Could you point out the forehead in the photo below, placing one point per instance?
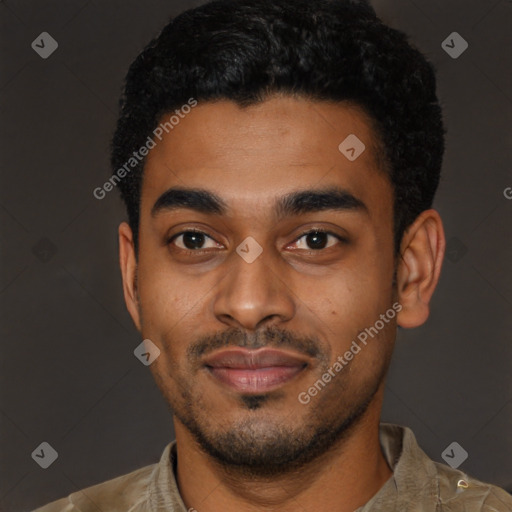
(250, 155)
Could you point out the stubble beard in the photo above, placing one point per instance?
(257, 447)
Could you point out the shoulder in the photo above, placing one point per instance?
(457, 488)
(117, 494)
(423, 484)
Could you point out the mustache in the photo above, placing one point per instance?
(271, 337)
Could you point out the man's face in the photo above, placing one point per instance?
(214, 311)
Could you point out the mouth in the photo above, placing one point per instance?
(254, 371)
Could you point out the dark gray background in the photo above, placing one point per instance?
(68, 373)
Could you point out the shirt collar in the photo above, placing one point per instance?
(414, 480)
(163, 490)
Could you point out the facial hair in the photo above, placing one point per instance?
(259, 445)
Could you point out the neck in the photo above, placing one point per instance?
(341, 480)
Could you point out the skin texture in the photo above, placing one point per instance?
(272, 452)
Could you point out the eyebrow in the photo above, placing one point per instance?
(294, 203)
(199, 200)
(308, 201)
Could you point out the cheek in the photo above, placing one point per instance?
(166, 318)
(346, 291)
(163, 302)
(349, 300)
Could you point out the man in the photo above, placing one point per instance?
(279, 160)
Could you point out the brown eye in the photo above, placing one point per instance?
(193, 241)
(316, 240)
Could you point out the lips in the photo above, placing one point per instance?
(254, 371)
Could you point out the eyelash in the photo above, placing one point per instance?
(305, 233)
(190, 251)
(308, 251)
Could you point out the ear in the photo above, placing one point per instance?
(128, 263)
(421, 257)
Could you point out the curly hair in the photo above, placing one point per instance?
(327, 50)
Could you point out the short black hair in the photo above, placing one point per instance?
(328, 50)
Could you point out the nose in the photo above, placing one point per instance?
(253, 295)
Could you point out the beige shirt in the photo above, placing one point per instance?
(417, 485)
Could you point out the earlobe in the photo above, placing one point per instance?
(128, 264)
(419, 268)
